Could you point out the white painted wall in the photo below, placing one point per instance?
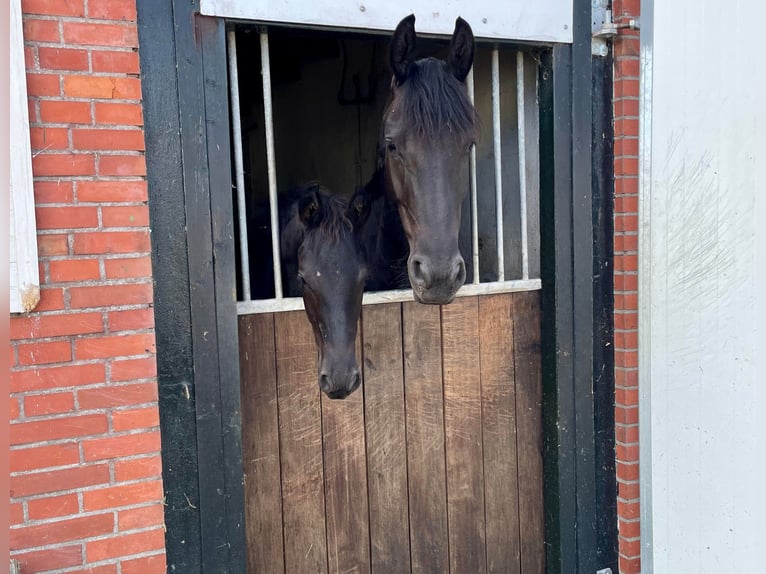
(538, 21)
(702, 232)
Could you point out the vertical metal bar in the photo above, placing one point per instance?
(239, 166)
(271, 162)
(498, 161)
(521, 131)
(474, 196)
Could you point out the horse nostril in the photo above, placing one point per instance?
(325, 384)
(458, 272)
(421, 272)
(355, 382)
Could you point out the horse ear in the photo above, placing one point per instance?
(460, 56)
(309, 209)
(403, 48)
(358, 209)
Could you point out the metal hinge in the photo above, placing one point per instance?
(603, 27)
(604, 571)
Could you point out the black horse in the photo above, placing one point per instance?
(428, 129)
(324, 263)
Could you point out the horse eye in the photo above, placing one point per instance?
(391, 147)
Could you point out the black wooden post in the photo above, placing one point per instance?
(579, 451)
(183, 67)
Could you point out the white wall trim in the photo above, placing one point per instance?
(24, 270)
(644, 284)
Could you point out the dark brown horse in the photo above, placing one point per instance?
(428, 129)
(323, 262)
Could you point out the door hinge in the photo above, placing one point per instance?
(603, 27)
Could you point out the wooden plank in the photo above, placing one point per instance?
(499, 432)
(300, 437)
(260, 444)
(425, 438)
(345, 482)
(462, 423)
(527, 362)
(386, 438)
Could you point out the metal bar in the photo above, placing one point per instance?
(474, 195)
(239, 165)
(498, 161)
(521, 131)
(467, 290)
(271, 162)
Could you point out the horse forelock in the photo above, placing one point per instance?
(433, 101)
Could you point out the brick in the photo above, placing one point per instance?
(630, 548)
(100, 242)
(627, 301)
(68, 270)
(629, 529)
(16, 513)
(136, 419)
(131, 320)
(120, 114)
(626, 397)
(14, 410)
(49, 558)
(125, 165)
(56, 377)
(41, 353)
(626, 223)
(93, 34)
(627, 8)
(111, 191)
(122, 495)
(63, 165)
(625, 45)
(48, 245)
(110, 295)
(39, 457)
(89, 87)
(37, 326)
(125, 216)
(51, 299)
(112, 10)
(105, 139)
(626, 415)
(102, 569)
(128, 268)
(138, 468)
(65, 112)
(627, 107)
(626, 434)
(630, 565)
(65, 218)
(116, 447)
(625, 320)
(626, 184)
(53, 191)
(29, 62)
(125, 545)
(626, 204)
(146, 565)
(118, 345)
(627, 67)
(628, 490)
(144, 517)
(53, 7)
(626, 165)
(115, 62)
(62, 530)
(43, 85)
(133, 369)
(626, 453)
(62, 59)
(53, 506)
(117, 396)
(49, 404)
(46, 138)
(60, 428)
(625, 126)
(51, 481)
(36, 30)
(32, 110)
(627, 471)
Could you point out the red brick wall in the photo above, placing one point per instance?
(626, 72)
(85, 467)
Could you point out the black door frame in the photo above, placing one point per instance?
(186, 116)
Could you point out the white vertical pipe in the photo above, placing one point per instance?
(239, 166)
(498, 161)
(522, 162)
(271, 162)
(474, 197)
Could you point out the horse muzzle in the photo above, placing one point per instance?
(435, 284)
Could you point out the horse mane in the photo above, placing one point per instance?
(333, 222)
(433, 100)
